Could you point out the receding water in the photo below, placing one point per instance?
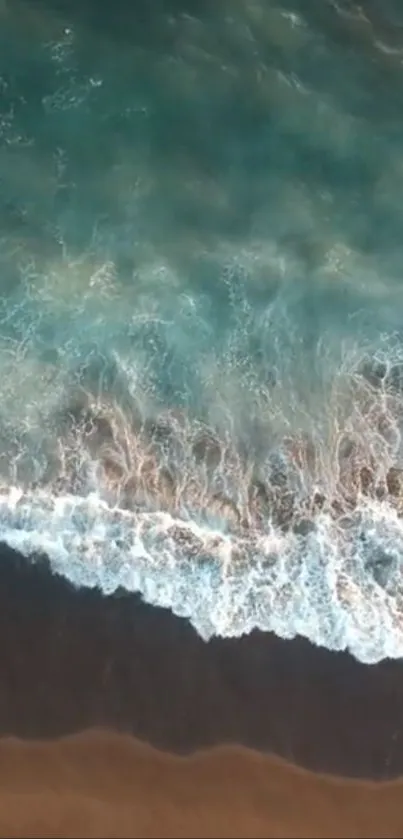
(201, 314)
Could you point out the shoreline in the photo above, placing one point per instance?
(73, 659)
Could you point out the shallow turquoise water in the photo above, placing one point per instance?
(200, 240)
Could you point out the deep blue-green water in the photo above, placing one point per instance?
(201, 313)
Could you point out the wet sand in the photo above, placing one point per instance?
(103, 785)
(72, 659)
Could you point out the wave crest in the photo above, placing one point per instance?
(307, 539)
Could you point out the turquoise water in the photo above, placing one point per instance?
(201, 309)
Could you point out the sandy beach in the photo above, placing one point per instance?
(214, 739)
(73, 659)
(99, 784)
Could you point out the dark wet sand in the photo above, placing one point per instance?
(103, 785)
(72, 660)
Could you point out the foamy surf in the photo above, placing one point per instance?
(201, 363)
(284, 517)
(339, 588)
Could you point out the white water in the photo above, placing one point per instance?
(206, 228)
(320, 586)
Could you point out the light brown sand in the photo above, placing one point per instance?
(100, 784)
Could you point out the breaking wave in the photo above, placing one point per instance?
(292, 529)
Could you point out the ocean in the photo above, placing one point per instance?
(201, 334)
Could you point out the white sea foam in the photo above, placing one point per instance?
(340, 589)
